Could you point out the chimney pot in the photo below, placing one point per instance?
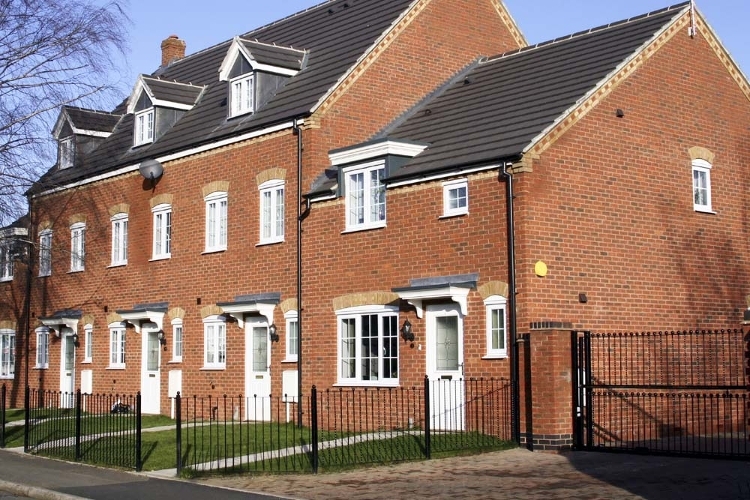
(172, 49)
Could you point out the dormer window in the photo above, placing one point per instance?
(144, 127)
(250, 66)
(66, 152)
(242, 95)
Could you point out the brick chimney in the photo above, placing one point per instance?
(172, 49)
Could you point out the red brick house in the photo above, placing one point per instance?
(623, 149)
(170, 283)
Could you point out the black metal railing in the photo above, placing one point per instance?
(342, 426)
(681, 393)
(100, 429)
(235, 433)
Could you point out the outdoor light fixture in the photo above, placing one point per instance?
(75, 338)
(272, 333)
(406, 332)
(162, 338)
(151, 170)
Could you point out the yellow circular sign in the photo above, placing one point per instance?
(540, 268)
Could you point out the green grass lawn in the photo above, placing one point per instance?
(208, 442)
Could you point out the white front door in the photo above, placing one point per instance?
(150, 373)
(67, 369)
(257, 370)
(445, 364)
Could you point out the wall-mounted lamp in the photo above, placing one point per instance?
(75, 339)
(272, 333)
(162, 337)
(406, 332)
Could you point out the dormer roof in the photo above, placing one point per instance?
(87, 122)
(165, 93)
(271, 58)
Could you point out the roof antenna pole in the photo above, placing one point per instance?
(693, 30)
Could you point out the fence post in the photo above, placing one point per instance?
(26, 419)
(427, 417)
(138, 462)
(314, 427)
(78, 425)
(178, 427)
(2, 417)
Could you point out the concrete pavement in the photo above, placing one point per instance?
(514, 474)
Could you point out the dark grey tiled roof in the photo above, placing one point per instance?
(180, 93)
(335, 34)
(88, 119)
(495, 110)
(281, 57)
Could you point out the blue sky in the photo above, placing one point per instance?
(205, 23)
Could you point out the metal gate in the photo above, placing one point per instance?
(682, 393)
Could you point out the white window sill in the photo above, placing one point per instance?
(41, 367)
(73, 271)
(289, 360)
(7, 377)
(240, 113)
(704, 210)
(174, 361)
(144, 143)
(115, 368)
(361, 383)
(5, 280)
(495, 356)
(44, 275)
(455, 214)
(270, 242)
(369, 227)
(118, 264)
(213, 250)
(86, 362)
(161, 257)
(213, 368)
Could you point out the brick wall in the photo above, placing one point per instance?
(609, 207)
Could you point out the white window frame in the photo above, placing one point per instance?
(67, 152)
(6, 260)
(242, 95)
(117, 346)
(272, 211)
(356, 314)
(291, 318)
(451, 187)
(492, 304)
(162, 234)
(88, 343)
(143, 128)
(77, 247)
(216, 221)
(42, 348)
(361, 212)
(7, 354)
(214, 343)
(702, 168)
(177, 340)
(45, 253)
(119, 239)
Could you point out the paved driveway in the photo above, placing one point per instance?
(519, 474)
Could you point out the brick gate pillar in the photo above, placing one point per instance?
(547, 390)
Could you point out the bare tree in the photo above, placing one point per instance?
(52, 52)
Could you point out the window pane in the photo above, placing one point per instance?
(348, 350)
(152, 359)
(390, 347)
(178, 342)
(447, 343)
(266, 207)
(498, 329)
(279, 212)
(377, 196)
(369, 347)
(260, 349)
(293, 337)
(356, 199)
